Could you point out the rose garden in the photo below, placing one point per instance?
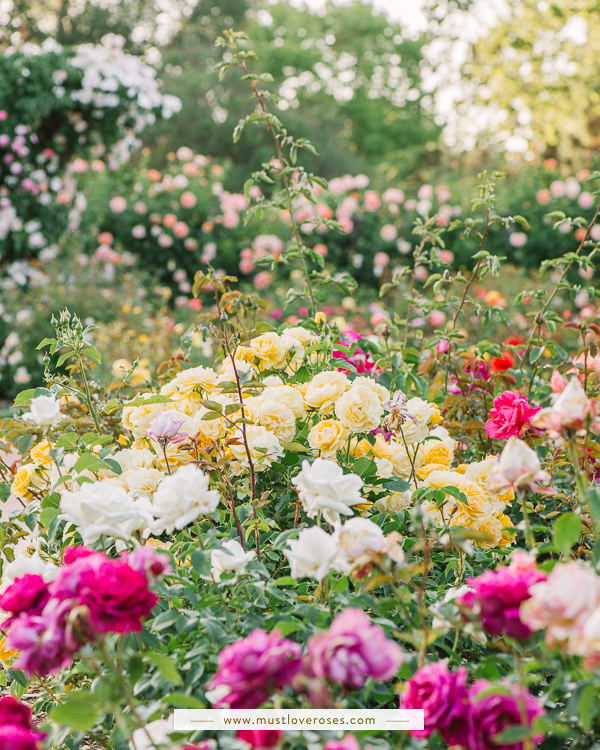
(291, 422)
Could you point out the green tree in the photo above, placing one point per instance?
(348, 79)
(536, 69)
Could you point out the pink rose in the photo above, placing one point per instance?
(253, 667)
(490, 715)
(353, 650)
(509, 416)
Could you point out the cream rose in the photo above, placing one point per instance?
(269, 350)
(324, 390)
(359, 409)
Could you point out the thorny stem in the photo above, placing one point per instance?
(243, 412)
(286, 180)
(475, 271)
(421, 600)
(580, 480)
(539, 318)
(115, 667)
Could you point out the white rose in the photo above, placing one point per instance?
(358, 536)
(518, 466)
(314, 554)
(181, 498)
(324, 488)
(231, 559)
(24, 565)
(43, 411)
(105, 509)
(155, 734)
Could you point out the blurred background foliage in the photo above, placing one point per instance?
(362, 87)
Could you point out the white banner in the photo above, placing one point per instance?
(321, 719)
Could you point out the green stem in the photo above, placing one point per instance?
(88, 395)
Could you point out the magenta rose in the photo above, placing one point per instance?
(510, 414)
(28, 594)
(443, 695)
(251, 669)
(497, 596)
(260, 739)
(45, 642)
(352, 650)
(19, 738)
(493, 713)
(117, 596)
(14, 713)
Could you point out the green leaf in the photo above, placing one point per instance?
(48, 515)
(79, 711)
(567, 531)
(594, 503)
(181, 700)
(512, 735)
(165, 666)
(67, 440)
(24, 398)
(156, 399)
(587, 705)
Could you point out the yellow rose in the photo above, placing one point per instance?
(436, 417)
(482, 472)
(359, 409)
(278, 418)
(141, 481)
(360, 448)
(288, 395)
(302, 335)
(6, 654)
(137, 419)
(436, 452)
(175, 456)
(395, 453)
(269, 350)
(22, 480)
(324, 390)
(424, 471)
(187, 381)
(40, 453)
(492, 528)
(327, 437)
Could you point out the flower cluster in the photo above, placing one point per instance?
(90, 596)
(567, 606)
(350, 652)
(471, 717)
